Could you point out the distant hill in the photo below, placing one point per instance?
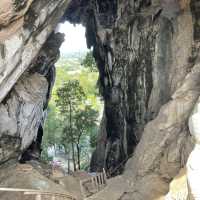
(79, 54)
(71, 61)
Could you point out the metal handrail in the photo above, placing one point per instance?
(38, 193)
(98, 182)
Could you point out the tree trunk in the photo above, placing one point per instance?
(78, 156)
(71, 133)
(67, 152)
(68, 164)
(73, 157)
(54, 147)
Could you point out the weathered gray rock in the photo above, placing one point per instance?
(148, 57)
(27, 59)
(99, 155)
(144, 50)
(193, 164)
(147, 53)
(26, 27)
(22, 113)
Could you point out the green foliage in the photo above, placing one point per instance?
(52, 130)
(45, 156)
(74, 109)
(71, 61)
(79, 117)
(70, 99)
(70, 96)
(93, 137)
(86, 118)
(89, 62)
(85, 122)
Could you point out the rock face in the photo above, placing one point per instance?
(149, 66)
(147, 53)
(28, 53)
(21, 114)
(148, 57)
(23, 109)
(193, 166)
(144, 51)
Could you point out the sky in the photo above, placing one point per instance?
(75, 40)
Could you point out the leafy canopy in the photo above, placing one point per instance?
(89, 62)
(70, 96)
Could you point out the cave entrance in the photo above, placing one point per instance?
(75, 108)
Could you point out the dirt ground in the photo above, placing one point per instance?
(27, 177)
(37, 176)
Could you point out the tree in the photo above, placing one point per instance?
(58, 132)
(89, 62)
(70, 97)
(93, 137)
(85, 121)
(53, 131)
(79, 117)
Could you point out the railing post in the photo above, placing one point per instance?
(97, 182)
(93, 183)
(37, 194)
(105, 176)
(82, 189)
(102, 179)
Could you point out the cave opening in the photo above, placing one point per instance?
(75, 107)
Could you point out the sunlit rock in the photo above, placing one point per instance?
(193, 163)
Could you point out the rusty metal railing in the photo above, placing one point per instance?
(39, 195)
(94, 184)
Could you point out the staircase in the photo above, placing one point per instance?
(94, 184)
(27, 194)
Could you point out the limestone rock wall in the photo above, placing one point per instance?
(147, 53)
(21, 114)
(148, 57)
(28, 51)
(144, 50)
